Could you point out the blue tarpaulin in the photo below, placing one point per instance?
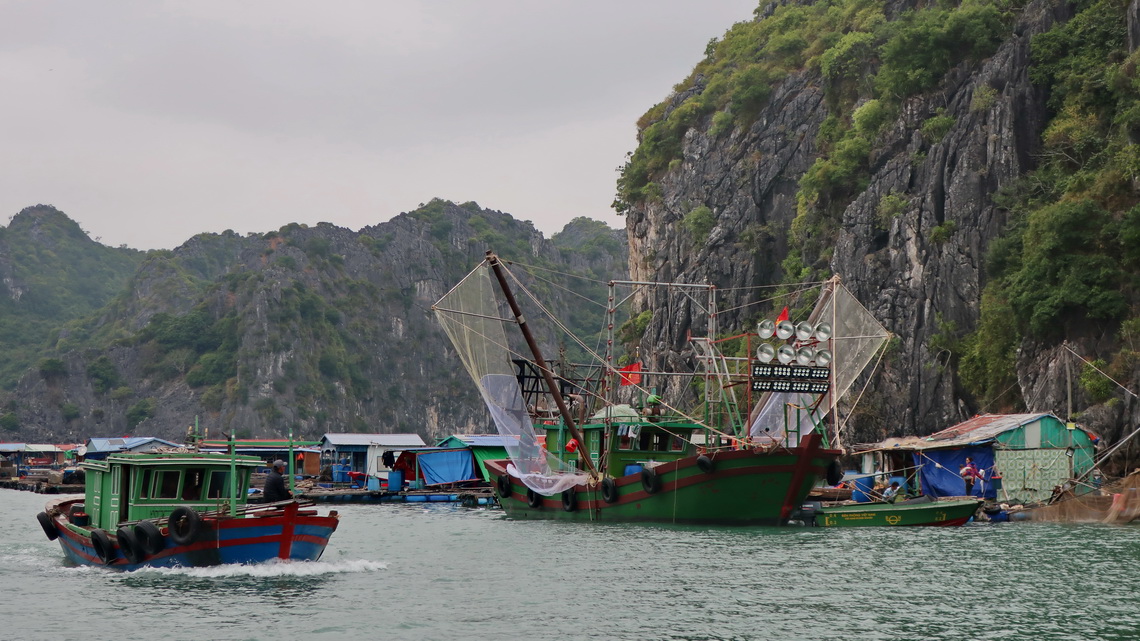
(939, 471)
(451, 466)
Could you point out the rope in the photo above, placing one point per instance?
(1099, 371)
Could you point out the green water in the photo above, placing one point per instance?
(406, 572)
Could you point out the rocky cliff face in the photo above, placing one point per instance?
(919, 272)
(308, 330)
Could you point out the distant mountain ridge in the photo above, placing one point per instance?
(305, 329)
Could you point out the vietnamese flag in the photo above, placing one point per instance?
(783, 315)
(631, 374)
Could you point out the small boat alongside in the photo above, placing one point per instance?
(182, 508)
(918, 511)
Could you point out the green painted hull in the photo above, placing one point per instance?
(946, 512)
(743, 488)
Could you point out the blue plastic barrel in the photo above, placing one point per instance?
(863, 487)
(395, 480)
(632, 469)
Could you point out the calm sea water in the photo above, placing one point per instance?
(412, 572)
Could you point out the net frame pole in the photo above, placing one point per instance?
(540, 363)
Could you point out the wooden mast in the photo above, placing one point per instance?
(583, 451)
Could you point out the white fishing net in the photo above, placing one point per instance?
(472, 320)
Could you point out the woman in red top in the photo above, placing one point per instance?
(969, 472)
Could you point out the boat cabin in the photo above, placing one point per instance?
(132, 487)
(633, 441)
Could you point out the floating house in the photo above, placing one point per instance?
(1022, 457)
(365, 452)
(97, 449)
(33, 454)
(432, 467)
(484, 447)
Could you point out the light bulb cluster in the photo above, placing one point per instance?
(803, 363)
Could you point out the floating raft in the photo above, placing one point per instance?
(470, 498)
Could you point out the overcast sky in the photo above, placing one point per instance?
(148, 122)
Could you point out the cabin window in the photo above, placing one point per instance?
(192, 488)
(219, 485)
(660, 442)
(167, 483)
(624, 440)
(144, 485)
(646, 441)
(677, 444)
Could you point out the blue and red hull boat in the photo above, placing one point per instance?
(284, 532)
(180, 508)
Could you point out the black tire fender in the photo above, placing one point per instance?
(184, 525)
(533, 499)
(48, 525)
(650, 480)
(503, 484)
(834, 473)
(609, 490)
(570, 500)
(149, 537)
(104, 549)
(706, 464)
(129, 545)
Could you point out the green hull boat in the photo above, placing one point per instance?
(735, 438)
(939, 512)
(742, 487)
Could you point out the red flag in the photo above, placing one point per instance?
(634, 377)
(783, 315)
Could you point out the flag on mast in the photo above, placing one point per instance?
(631, 374)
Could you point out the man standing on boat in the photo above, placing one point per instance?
(275, 484)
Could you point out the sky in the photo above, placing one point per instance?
(149, 122)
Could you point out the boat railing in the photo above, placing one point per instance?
(245, 510)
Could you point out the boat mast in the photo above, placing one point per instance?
(583, 451)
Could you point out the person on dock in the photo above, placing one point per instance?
(969, 474)
(275, 484)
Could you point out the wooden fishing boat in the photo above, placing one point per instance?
(949, 511)
(185, 508)
(647, 459)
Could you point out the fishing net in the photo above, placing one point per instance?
(1117, 502)
(472, 320)
(856, 338)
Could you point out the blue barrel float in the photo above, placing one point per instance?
(863, 487)
(395, 480)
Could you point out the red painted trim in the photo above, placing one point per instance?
(287, 531)
(808, 448)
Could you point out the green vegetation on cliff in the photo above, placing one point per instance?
(860, 55)
(53, 273)
(1069, 262)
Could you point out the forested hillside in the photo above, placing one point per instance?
(302, 330)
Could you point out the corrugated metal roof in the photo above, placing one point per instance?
(12, 447)
(120, 444)
(40, 447)
(480, 440)
(391, 440)
(980, 429)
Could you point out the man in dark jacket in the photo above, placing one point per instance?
(275, 484)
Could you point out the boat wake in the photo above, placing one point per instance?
(269, 569)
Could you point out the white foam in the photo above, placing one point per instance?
(273, 568)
